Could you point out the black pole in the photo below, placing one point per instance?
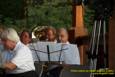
(48, 53)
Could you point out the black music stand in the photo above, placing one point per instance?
(48, 67)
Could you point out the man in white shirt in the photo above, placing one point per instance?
(26, 37)
(20, 63)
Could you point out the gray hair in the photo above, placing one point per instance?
(10, 34)
(63, 30)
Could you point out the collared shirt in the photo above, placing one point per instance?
(22, 58)
(5, 55)
(66, 42)
(71, 55)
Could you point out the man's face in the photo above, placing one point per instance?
(63, 37)
(50, 35)
(25, 38)
(7, 44)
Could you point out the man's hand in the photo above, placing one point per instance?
(9, 66)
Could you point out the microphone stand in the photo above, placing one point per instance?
(99, 26)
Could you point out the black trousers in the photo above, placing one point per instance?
(25, 74)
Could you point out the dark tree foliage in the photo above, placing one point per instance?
(57, 13)
(21, 14)
(12, 8)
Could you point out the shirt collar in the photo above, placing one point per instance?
(55, 41)
(67, 42)
(17, 45)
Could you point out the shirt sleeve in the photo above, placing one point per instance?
(71, 55)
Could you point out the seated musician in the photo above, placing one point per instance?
(51, 35)
(63, 36)
(20, 63)
(26, 37)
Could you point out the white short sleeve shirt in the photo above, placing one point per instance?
(22, 59)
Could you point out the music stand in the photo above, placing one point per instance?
(49, 66)
(48, 49)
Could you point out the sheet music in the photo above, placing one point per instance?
(69, 52)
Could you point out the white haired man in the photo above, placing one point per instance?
(63, 36)
(20, 63)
